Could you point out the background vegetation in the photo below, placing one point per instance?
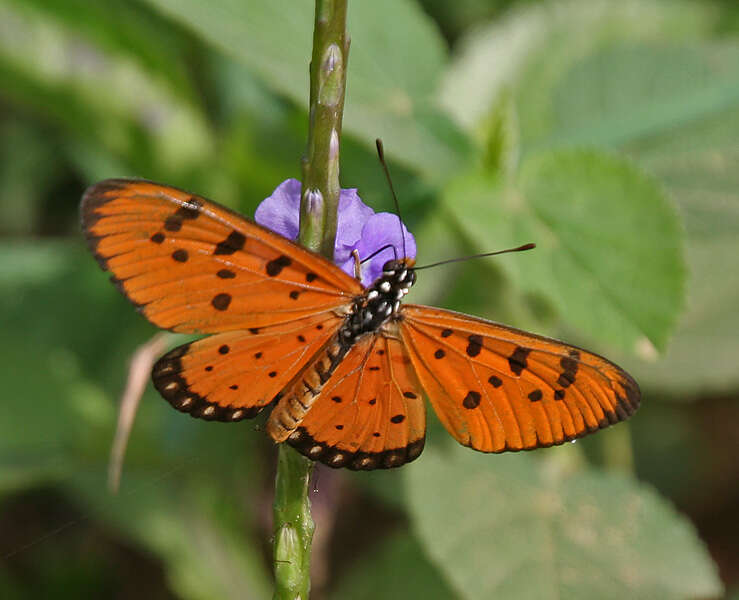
(607, 132)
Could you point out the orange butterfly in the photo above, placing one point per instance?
(346, 366)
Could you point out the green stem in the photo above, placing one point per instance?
(293, 525)
(320, 195)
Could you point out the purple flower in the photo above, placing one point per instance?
(358, 228)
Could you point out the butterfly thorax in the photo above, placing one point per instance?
(370, 311)
(381, 302)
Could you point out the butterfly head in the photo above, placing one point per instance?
(395, 265)
(381, 302)
(399, 275)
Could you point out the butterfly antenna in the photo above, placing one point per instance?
(461, 258)
(381, 156)
(376, 252)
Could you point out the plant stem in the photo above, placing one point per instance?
(293, 525)
(320, 195)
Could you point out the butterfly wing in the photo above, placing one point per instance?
(496, 388)
(370, 414)
(192, 266)
(233, 375)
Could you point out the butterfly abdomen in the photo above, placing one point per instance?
(379, 304)
(299, 396)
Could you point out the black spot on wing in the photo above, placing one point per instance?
(226, 274)
(233, 243)
(535, 396)
(471, 400)
(517, 360)
(169, 380)
(221, 301)
(173, 223)
(189, 210)
(275, 266)
(180, 255)
(569, 366)
(474, 346)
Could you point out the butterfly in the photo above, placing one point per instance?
(345, 367)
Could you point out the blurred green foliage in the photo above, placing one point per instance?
(608, 133)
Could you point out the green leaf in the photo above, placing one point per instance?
(393, 71)
(98, 95)
(397, 568)
(125, 28)
(185, 484)
(648, 79)
(29, 163)
(608, 250)
(652, 89)
(701, 358)
(696, 158)
(193, 522)
(677, 113)
(514, 527)
(531, 49)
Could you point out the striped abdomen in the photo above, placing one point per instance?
(299, 396)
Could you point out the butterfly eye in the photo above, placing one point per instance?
(391, 266)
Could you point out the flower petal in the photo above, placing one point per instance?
(358, 228)
(380, 230)
(281, 211)
(353, 214)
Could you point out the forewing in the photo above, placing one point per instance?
(496, 388)
(370, 414)
(233, 375)
(193, 266)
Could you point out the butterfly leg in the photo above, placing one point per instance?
(357, 265)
